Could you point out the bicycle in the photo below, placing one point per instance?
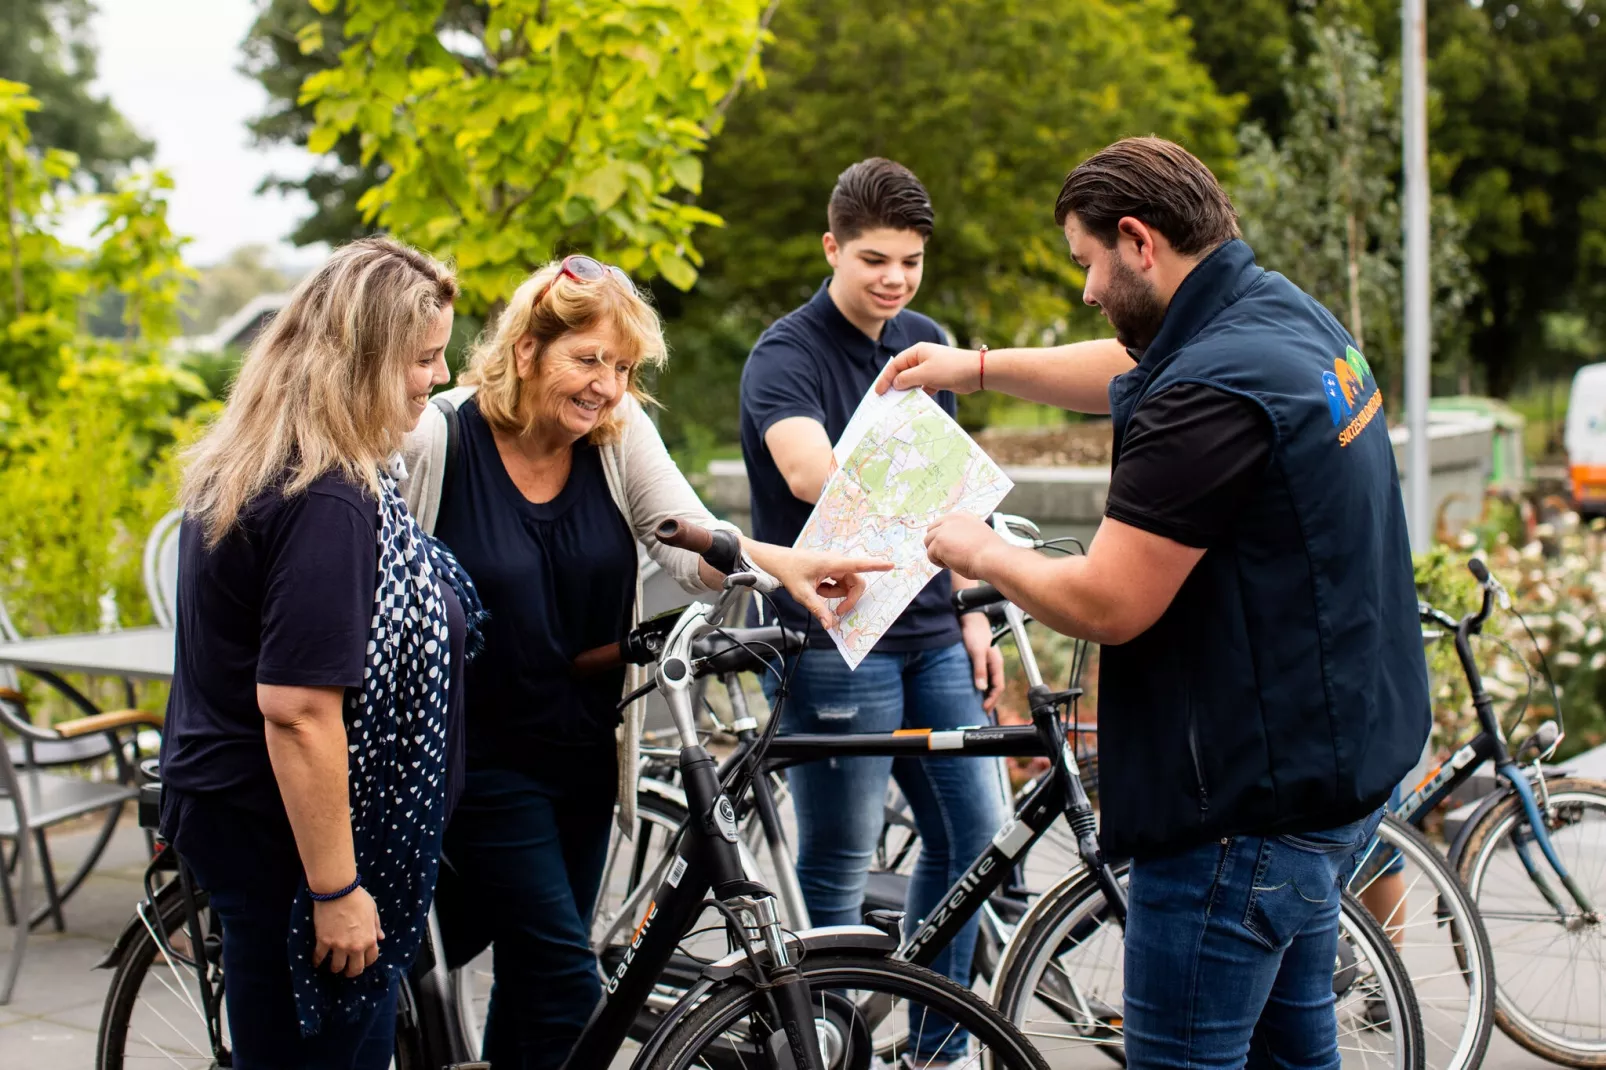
(1369, 974)
(780, 999)
(1440, 939)
(1493, 855)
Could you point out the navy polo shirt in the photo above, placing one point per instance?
(813, 362)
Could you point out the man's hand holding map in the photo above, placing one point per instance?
(900, 464)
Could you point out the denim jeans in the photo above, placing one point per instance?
(1230, 949)
(958, 803)
(249, 866)
(526, 854)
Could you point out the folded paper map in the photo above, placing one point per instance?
(901, 463)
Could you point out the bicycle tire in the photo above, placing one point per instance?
(123, 997)
(1500, 900)
(1092, 1012)
(1457, 1011)
(695, 1041)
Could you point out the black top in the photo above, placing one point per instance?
(812, 362)
(556, 579)
(285, 598)
(1190, 459)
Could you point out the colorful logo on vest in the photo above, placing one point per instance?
(1352, 395)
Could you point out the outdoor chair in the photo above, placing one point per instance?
(161, 568)
(43, 783)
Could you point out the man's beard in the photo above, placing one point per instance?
(1131, 306)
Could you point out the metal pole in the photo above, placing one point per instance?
(1418, 337)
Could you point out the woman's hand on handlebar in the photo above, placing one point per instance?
(811, 577)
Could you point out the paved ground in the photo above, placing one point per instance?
(52, 1019)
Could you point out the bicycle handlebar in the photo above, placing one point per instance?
(977, 597)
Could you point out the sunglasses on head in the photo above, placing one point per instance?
(583, 268)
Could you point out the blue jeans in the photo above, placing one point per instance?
(958, 803)
(1230, 949)
(526, 854)
(248, 864)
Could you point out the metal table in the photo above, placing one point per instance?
(137, 654)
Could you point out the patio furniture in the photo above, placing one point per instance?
(34, 796)
(161, 567)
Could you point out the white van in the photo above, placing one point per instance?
(1585, 439)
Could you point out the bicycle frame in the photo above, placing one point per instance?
(1489, 745)
(706, 857)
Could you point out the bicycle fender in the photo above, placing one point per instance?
(837, 939)
(135, 926)
(1464, 833)
(1071, 886)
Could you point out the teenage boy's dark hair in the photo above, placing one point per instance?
(878, 193)
(1154, 180)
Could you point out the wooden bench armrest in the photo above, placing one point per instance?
(106, 722)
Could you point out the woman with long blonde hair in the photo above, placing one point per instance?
(552, 479)
(315, 719)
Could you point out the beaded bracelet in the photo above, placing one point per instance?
(347, 890)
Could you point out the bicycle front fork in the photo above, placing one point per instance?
(1540, 831)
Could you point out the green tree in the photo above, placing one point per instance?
(1321, 205)
(86, 423)
(46, 45)
(1516, 135)
(990, 103)
(566, 123)
(1520, 138)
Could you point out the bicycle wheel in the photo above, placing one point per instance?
(1550, 995)
(859, 998)
(153, 1012)
(1443, 945)
(1062, 984)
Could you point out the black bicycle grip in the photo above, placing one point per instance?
(977, 597)
(1479, 570)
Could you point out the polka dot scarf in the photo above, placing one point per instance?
(396, 735)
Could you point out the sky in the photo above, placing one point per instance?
(169, 66)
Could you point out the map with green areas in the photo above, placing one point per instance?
(902, 462)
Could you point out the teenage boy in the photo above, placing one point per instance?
(803, 380)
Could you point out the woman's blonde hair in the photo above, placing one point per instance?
(567, 305)
(323, 386)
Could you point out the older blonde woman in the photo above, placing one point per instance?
(320, 647)
(556, 475)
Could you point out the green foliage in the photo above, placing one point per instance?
(990, 103)
(564, 124)
(1557, 588)
(86, 423)
(46, 45)
(1321, 205)
(1519, 139)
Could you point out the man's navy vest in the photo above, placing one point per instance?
(1285, 688)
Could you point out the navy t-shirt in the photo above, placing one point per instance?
(285, 598)
(812, 362)
(556, 578)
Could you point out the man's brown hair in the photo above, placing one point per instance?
(877, 193)
(1156, 181)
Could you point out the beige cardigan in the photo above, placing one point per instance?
(647, 488)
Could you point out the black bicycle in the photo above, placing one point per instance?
(1060, 974)
(820, 999)
(1532, 857)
